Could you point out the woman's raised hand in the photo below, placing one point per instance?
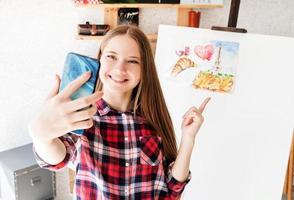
(60, 115)
(192, 121)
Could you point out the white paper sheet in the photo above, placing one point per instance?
(242, 149)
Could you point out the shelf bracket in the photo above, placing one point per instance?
(110, 17)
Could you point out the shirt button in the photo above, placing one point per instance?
(123, 115)
(127, 164)
(126, 138)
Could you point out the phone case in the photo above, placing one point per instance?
(76, 65)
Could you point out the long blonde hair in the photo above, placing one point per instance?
(147, 98)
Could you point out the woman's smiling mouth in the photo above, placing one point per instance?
(118, 80)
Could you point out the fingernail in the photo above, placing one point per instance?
(88, 73)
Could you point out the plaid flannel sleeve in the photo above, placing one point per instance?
(69, 140)
(175, 187)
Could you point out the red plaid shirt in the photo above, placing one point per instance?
(120, 157)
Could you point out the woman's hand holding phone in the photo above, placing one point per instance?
(60, 115)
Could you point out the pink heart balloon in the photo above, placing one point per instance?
(204, 52)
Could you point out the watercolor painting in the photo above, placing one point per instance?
(212, 65)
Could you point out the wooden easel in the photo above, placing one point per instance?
(288, 184)
(233, 18)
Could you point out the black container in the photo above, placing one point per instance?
(128, 16)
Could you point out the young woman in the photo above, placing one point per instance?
(128, 150)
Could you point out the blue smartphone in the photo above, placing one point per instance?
(76, 65)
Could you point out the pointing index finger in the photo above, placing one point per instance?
(203, 105)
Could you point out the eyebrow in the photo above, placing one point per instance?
(111, 52)
(117, 53)
(135, 57)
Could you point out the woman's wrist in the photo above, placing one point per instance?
(180, 169)
(41, 141)
(34, 132)
(44, 143)
(187, 141)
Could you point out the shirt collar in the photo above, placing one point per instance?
(103, 108)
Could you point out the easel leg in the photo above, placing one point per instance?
(285, 192)
(290, 173)
(289, 184)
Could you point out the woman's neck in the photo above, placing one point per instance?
(119, 102)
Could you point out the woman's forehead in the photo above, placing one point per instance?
(123, 45)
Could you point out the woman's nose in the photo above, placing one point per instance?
(120, 65)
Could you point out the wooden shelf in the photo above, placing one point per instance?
(150, 5)
(111, 15)
(152, 37)
(111, 10)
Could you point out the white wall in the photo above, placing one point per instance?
(36, 35)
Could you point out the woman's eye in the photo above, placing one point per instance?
(112, 57)
(133, 62)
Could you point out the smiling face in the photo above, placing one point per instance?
(120, 65)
